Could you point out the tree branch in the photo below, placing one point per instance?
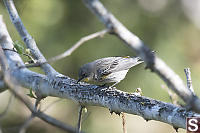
(172, 96)
(153, 62)
(9, 61)
(87, 94)
(80, 117)
(189, 79)
(26, 124)
(78, 44)
(15, 89)
(116, 100)
(72, 49)
(27, 38)
(124, 122)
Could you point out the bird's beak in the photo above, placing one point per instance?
(80, 79)
(84, 79)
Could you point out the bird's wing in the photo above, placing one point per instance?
(109, 65)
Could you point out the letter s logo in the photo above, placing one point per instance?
(192, 125)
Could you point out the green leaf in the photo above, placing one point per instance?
(18, 47)
(31, 94)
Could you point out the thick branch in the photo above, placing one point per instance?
(16, 90)
(115, 100)
(65, 87)
(9, 64)
(86, 94)
(27, 38)
(153, 62)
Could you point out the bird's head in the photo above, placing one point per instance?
(85, 73)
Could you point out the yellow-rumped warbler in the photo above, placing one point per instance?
(108, 70)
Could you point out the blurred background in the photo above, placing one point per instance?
(171, 28)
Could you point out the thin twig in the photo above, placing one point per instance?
(25, 125)
(30, 118)
(80, 117)
(29, 56)
(37, 102)
(189, 79)
(172, 96)
(78, 44)
(124, 122)
(72, 49)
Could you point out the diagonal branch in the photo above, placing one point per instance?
(27, 38)
(9, 61)
(153, 62)
(78, 44)
(17, 91)
(25, 125)
(86, 94)
(72, 49)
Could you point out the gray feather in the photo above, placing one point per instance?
(109, 65)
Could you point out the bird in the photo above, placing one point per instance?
(107, 70)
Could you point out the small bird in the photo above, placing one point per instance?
(107, 70)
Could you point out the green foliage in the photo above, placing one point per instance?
(25, 53)
(18, 47)
(31, 94)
